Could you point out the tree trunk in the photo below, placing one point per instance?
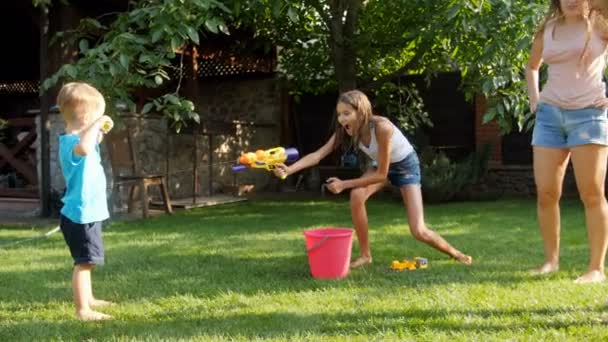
(344, 14)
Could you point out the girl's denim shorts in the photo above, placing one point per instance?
(564, 128)
(405, 172)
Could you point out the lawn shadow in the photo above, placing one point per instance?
(194, 322)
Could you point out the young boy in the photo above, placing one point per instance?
(84, 202)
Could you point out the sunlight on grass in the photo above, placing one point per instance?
(240, 272)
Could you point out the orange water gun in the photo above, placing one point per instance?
(266, 159)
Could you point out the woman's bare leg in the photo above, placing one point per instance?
(589, 162)
(549, 169)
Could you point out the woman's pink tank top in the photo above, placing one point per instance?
(572, 83)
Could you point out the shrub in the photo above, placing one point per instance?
(444, 180)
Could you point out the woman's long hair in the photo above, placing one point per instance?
(360, 103)
(555, 13)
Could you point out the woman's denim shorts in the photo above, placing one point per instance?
(405, 172)
(563, 128)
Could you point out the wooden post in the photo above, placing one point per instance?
(210, 166)
(45, 169)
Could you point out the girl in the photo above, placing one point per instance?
(395, 157)
(570, 123)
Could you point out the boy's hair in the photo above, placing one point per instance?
(77, 99)
(359, 101)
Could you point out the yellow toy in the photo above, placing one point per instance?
(417, 263)
(106, 127)
(266, 159)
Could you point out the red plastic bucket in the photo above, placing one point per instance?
(329, 252)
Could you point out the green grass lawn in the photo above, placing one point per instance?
(239, 272)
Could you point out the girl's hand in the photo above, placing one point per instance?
(281, 170)
(335, 185)
(601, 103)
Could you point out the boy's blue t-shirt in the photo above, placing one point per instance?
(85, 197)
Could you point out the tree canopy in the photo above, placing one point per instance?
(322, 45)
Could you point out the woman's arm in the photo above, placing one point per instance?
(384, 132)
(308, 160)
(534, 62)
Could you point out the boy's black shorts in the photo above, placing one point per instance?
(84, 240)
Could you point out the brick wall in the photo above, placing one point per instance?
(488, 132)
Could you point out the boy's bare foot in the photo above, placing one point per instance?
(99, 303)
(90, 315)
(546, 268)
(464, 259)
(591, 277)
(360, 261)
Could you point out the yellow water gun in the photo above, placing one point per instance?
(417, 263)
(266, 159)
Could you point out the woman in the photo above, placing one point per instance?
(570, 124)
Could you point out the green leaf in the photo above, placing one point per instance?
(71, 71)
(453, 12)
(192, 34)
(175, 43)
(223, 28)
(112, 70)
(158, 80)
(189, 105)
(220, 5)
(292, 15)
(172, 99)
(156, 35)
(147, 108)
(489, 116)
(212, 25)
(83, 45)
(124, 61)
(487, 86)
(276, 8)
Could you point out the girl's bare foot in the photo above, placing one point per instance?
(546, 268)
(99, 303)
(591, 277)
(464, 259)
(90, 315)
(360, 261)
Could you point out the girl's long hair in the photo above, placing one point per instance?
(360, 103)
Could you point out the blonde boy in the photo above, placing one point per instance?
(84, 203)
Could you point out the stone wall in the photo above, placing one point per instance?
(252, 107)
(519, 180)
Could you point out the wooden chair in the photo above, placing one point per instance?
(126, 171)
